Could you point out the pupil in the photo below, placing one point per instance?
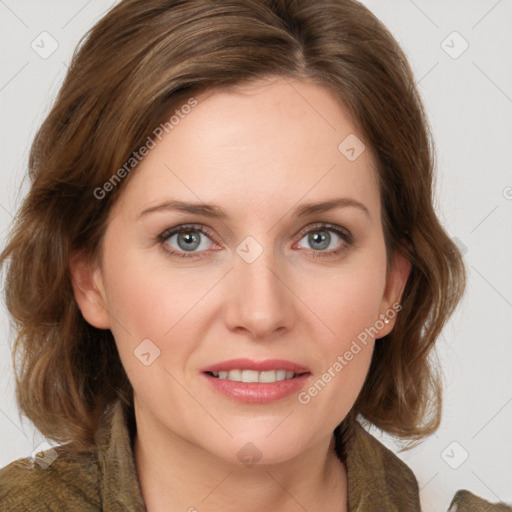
(322, 238)
(189, 238)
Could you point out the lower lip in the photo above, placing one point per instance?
(255, 392)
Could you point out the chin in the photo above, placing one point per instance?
(262, 447)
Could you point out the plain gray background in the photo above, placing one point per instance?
(468, 97)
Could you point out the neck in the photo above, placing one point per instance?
(176, 473)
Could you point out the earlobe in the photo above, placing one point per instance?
(88, 291)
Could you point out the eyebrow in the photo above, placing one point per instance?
(213, 211)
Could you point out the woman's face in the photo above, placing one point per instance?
(264, 281)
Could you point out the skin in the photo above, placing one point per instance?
(258, 152)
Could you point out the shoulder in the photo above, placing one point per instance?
(57, 479)
(382, 481)
(465, 501)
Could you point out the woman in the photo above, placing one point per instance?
(227, 258)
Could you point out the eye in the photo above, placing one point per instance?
(327, 239)
(189, 241)
(185, 241)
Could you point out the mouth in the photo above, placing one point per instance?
(264, 377)
(245, 380)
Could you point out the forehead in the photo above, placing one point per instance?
(263, 146)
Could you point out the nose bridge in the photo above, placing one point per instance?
(260, 301)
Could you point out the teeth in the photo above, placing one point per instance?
(280, 374)
(249, 376)
(268, 376)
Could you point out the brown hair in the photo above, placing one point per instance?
(134, 67)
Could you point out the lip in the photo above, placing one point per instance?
(257, 392)
(259, 366)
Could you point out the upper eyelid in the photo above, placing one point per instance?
(205, 230)
(329, 226)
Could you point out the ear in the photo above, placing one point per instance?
(89, 291)
(396, 280)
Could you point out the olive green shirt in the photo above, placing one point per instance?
(106, 480)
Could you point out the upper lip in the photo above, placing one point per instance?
(260, 366)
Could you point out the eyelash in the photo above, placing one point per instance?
(343, 233)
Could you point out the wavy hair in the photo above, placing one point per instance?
(141, 61)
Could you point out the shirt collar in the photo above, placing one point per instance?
(378, 480)
(119, 483)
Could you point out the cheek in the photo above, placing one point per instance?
(349, 308)
(138, 301)
(136, 297)
(148, 299)
(347, 301)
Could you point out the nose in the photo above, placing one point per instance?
(258, 298)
